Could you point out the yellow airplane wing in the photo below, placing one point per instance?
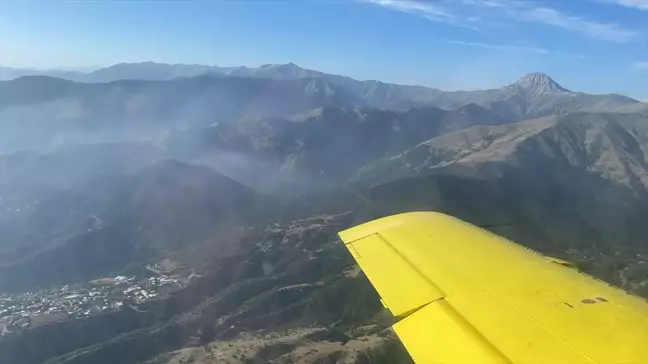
(465, 295)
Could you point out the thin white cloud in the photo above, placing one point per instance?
(502, 13)
(415, 7)
(529, 12)
(531, 49)
(605, 31)
(643, 65)
(490, 23)
(637, 4)
(512, 47)
(487, 3)
(428, 10)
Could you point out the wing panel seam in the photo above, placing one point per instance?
(414, 268)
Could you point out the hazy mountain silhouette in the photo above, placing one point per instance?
(534, 95)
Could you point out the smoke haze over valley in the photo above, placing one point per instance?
(174, 176)
(174, 206)
(234, 181)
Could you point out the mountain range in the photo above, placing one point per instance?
(577, 180)
(282, 129)
(40, 112)
(535, 94)
(245, 175)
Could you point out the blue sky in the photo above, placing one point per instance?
(596, 46)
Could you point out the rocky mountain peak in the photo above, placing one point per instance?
(539, 83)
(289, 67)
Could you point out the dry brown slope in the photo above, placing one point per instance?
(572, 185)
(610, 146)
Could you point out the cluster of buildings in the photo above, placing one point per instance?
(24, 310)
